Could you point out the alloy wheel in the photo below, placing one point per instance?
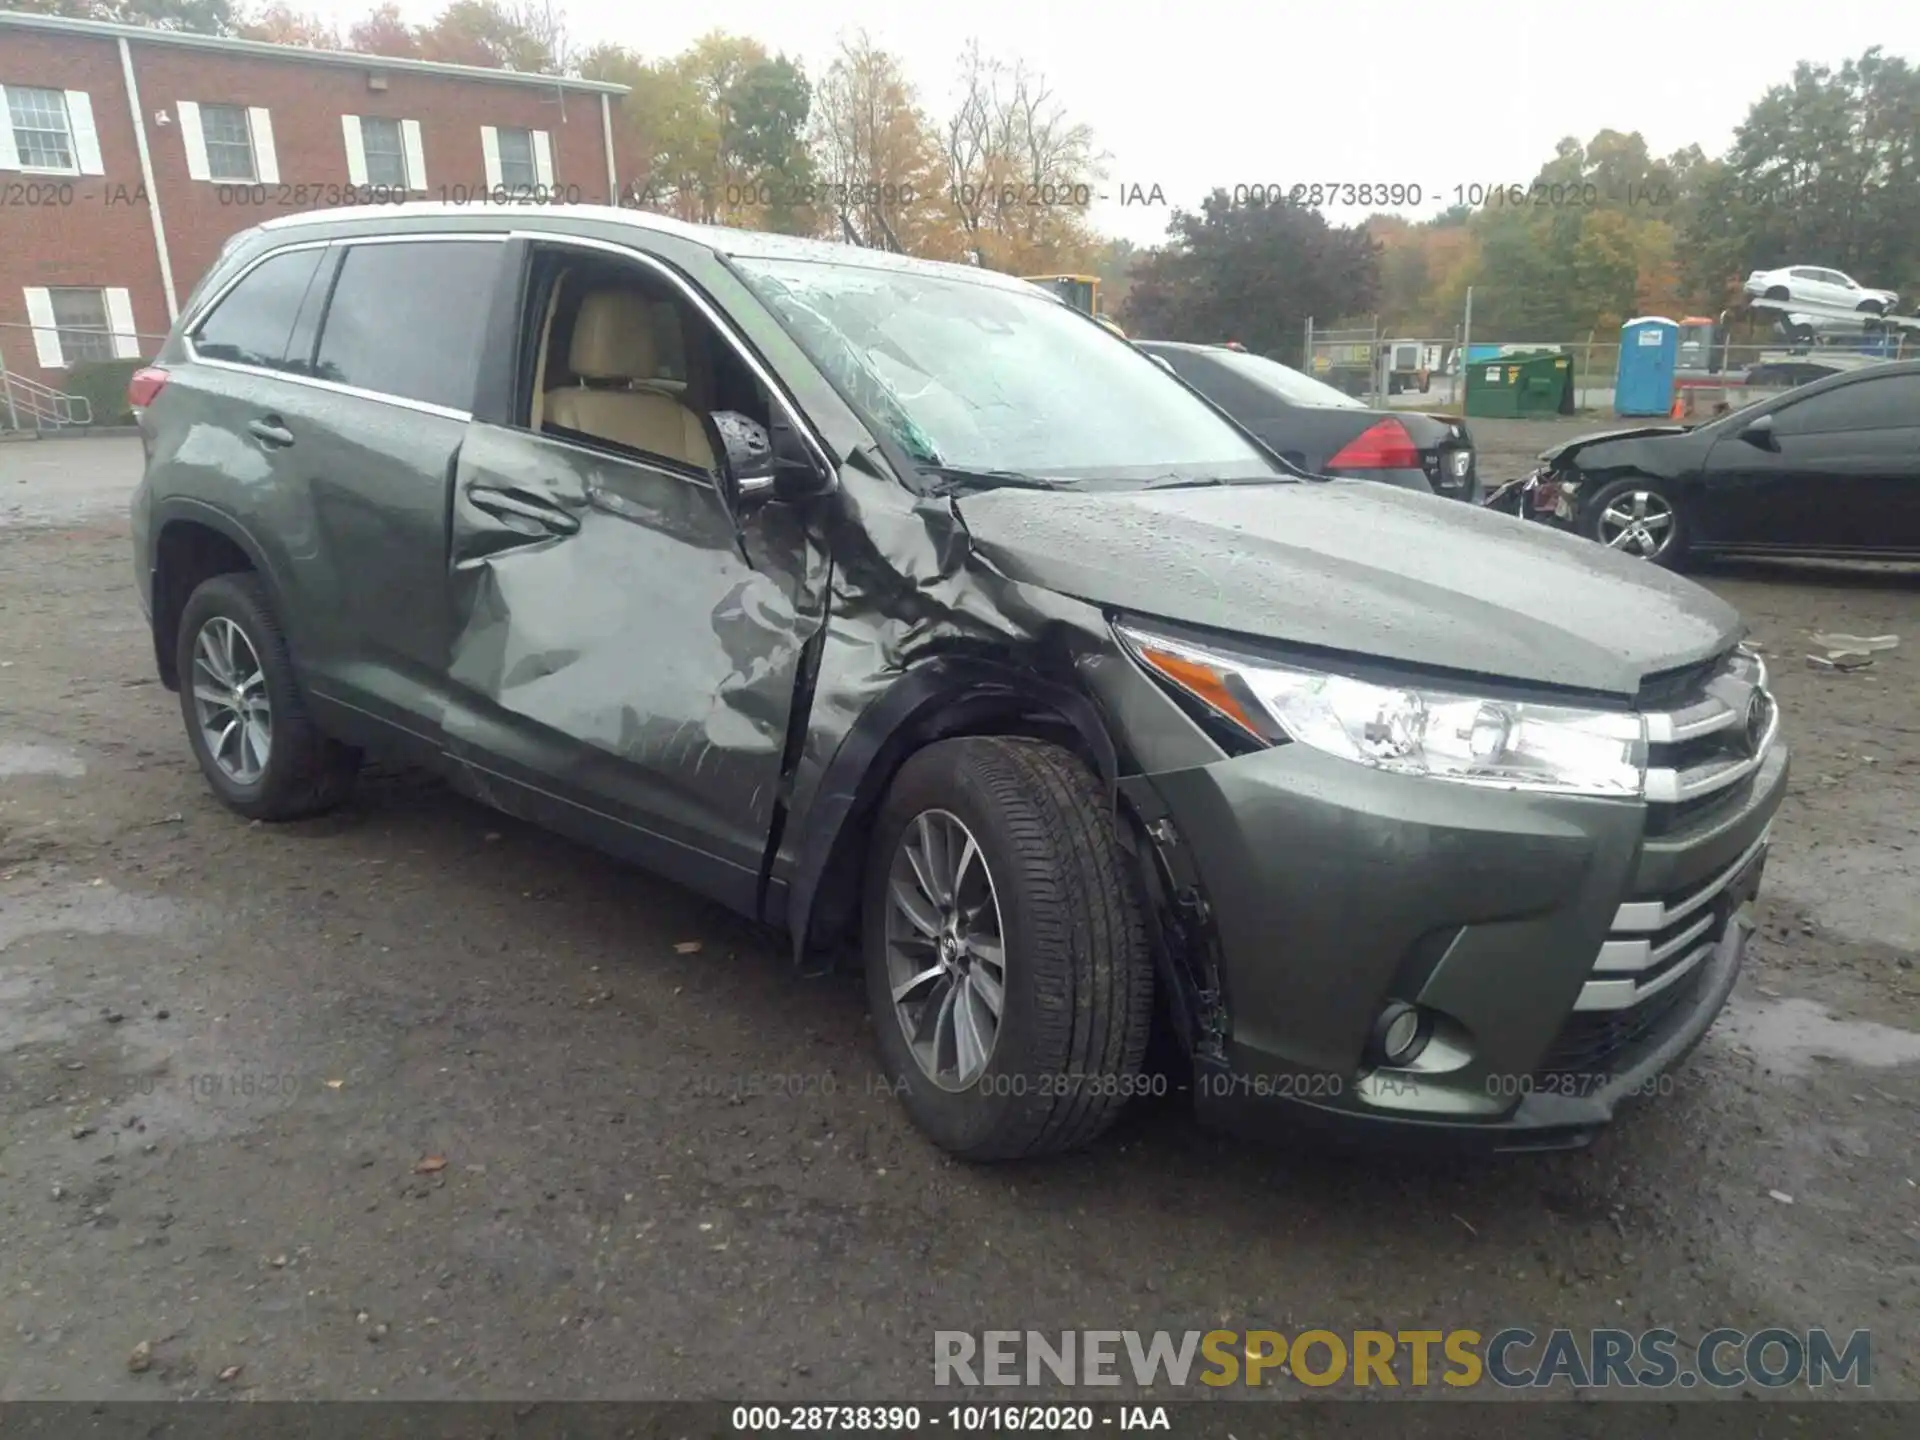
(230, 701)
(946, 949)
(1639, 522)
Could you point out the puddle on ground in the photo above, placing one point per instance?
(21, 759)
(1792, 1036)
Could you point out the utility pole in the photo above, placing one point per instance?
(1466, 345)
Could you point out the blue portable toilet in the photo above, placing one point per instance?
(1649, 355)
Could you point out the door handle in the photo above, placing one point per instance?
(270, 432)
(520, 505)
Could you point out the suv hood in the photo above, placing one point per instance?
(1364, 569)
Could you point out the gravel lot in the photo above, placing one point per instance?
(415, 1101)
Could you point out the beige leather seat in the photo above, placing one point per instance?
(615, 344)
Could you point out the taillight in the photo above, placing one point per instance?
(1385, 446)
(145, 385)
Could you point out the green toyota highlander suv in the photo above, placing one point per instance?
(900, 607)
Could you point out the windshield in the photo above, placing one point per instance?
(968, 376)
(1298, 389)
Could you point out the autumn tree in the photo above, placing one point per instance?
(1825, 170)
(280, 24)
(1020, 173)
(494, 35)
(382, 32)
(879, 156)
(200, 17)
(1250, 271)
(716, 134)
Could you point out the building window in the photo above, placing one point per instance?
(80, 318)
(519, 162)
(42, 133)
(383, 154)
(75, 325)
(517, 171)
(229, 142)
(386, 154)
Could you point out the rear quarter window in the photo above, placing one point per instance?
(405, 319)
(253, 322)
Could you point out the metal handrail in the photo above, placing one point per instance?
(43, 404)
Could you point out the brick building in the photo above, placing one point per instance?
(128, 156)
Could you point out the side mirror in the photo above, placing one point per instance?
(1759, 432)
(754, 466)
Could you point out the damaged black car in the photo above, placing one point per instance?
(900, 607)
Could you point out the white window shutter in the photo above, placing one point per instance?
(9, 149)
(194, 139)
(86, 138)
(126, 341)
(543, 159)
(356, 150)
(416, 154)
(490, 151)
(266, 165)
(46, 336)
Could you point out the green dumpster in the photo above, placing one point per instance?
(1515, 386)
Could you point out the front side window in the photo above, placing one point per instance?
(229, 142)
(405, 319)
(977, 377)
(1884, 402)
(252, 325)
(517, 169)
(42, 131)
(80, 317)
(386, 152)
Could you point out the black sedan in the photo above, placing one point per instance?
(1316, 428)
(1830, 470)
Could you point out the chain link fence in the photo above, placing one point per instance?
(1380, 368)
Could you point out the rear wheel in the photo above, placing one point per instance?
(1778, 292)
(246, 721)
(1639, 517)
(1006, 951)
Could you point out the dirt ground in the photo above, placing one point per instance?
(415, 1101)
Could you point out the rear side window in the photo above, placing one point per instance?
(405, 319)
(252, 324)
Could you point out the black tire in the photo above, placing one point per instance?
(1871, 307)
(1596, 527)
(1779, 292)
(306, 772)
(1078, 999)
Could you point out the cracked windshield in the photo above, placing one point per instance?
(967, 376)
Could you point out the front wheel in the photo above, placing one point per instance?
(1640, 517)
(1872, 307)
(1006, 951)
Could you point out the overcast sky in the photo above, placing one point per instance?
(1438, 93)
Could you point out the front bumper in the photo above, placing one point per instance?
(1564, 957)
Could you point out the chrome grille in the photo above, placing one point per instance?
(1716, 739)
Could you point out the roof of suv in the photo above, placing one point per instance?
(739, 244)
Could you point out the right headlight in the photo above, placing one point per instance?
(1409, 729)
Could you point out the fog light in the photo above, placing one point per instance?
(1399, 1035)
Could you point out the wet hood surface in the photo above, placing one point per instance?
(1599, 437)
(1365, 569)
